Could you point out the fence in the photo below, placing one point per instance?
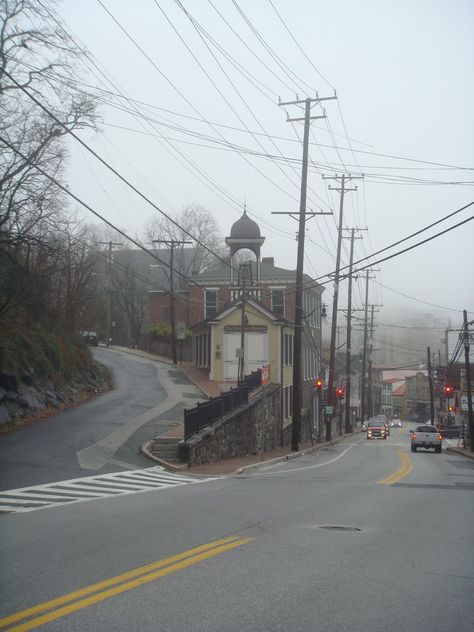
(205, 413)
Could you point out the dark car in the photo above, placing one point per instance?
(452, 432)
(91, 338)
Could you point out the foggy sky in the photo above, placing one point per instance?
(403, 74)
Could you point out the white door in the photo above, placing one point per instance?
(231, 361)
(256, 353)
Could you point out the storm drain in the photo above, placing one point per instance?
(332, 527)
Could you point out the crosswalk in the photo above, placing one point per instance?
(91, 488)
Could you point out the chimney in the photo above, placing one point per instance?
(269, 260)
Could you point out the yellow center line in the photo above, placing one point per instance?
(404, 470)
(138, 577)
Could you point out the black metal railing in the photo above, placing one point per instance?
(205, 413)
(253, 380)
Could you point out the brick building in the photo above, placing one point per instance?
(211, 307)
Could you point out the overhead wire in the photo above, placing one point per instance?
(217, 189)
(250, 110)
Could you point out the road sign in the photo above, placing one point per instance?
(181, 333)
(328, 410)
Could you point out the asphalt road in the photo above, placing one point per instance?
(102, 435)
(325, 542)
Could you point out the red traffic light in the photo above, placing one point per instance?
(448, 390)
(318, 383)
(340, 392)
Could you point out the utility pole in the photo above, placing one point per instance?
(332, 353)
(110, 244)
(347, 411)
(370, 395)
(430, 383)
(243, 320)
(171, 243)
(364, 349)
(297, 385)
(468, 379)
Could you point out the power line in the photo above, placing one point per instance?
(298, 45)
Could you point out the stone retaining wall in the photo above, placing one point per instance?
(240, 432)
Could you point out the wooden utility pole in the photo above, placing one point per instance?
(430, 384)
(171, 243)
(370, 395)
(468, 378)
(347, 411)
(332, 352)
(110, 244)
(243, 319)
(364, 347)
(297, 385)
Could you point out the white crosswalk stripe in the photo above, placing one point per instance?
(90, 488)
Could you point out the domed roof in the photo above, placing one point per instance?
(245, 228)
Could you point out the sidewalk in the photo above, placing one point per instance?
(239, 465)
(199, 377)
(463, 451)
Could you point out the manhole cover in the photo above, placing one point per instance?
(338, 528)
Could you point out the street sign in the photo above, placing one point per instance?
(181, 333)
(328, 410)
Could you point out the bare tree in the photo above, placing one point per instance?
(33, 55)
(131, 298)
(194, 220)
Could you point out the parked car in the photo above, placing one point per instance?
(91, 338)
(451, 432)
(364, 425)
(426, 437)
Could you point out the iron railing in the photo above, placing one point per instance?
(206, 413)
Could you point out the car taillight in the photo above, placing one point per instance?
(414, 435)
(440, 437)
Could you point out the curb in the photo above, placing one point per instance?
(468, 455)
(145, 450)
(292, 455)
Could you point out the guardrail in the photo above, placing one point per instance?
(206, 413)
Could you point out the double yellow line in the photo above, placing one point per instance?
(95, 593)
(404, 470)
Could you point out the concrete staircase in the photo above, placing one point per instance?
(166, 449)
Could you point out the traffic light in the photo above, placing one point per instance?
(318, 383)
(450, 409)
(340, 392)
(448, 390)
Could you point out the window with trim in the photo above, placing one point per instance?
(278, 301)
(210, 304)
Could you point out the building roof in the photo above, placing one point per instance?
(245, 228)
(400, 390)
(268, 273)
(235, 305)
